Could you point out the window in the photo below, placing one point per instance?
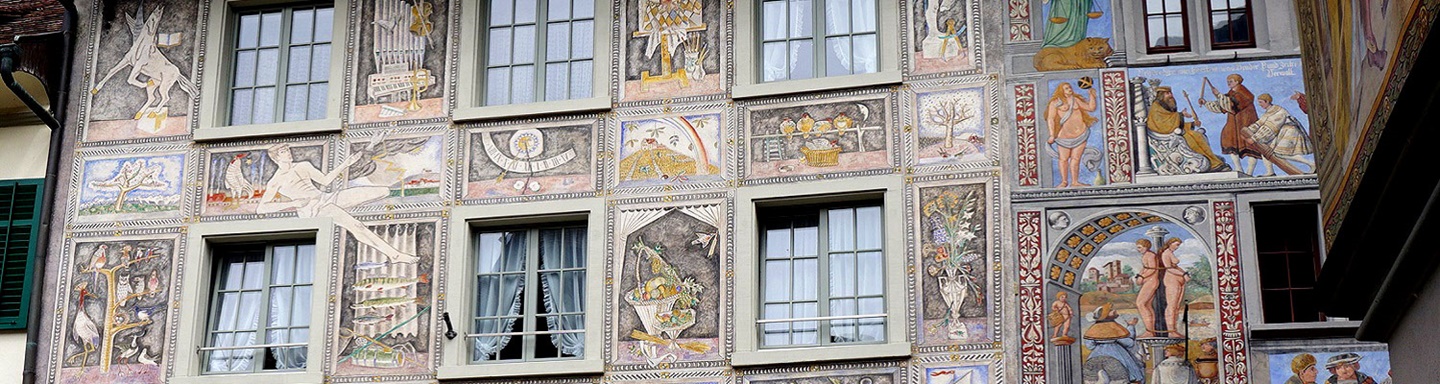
(1167, 26)
(822, 277)
(1287, 244)
(529, 296)
(1231, 24)
(260, 308)
(19, 206)
(845, 31)
(538, 51)
(281, 67)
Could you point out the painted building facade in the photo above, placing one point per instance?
(1037, 196)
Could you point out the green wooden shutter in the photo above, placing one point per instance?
(19, 228)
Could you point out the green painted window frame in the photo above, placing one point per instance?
(529, 313)
(823, 253)
(9, 266)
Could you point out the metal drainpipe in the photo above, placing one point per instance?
(59, 100)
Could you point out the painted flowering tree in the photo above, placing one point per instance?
(134, 175)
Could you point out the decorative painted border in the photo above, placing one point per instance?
(892, 141)
(1232, 306)
(1027, 140)
(1253, 184)
(915, 270)
(727, 276)
(724, 376)
(72, 205)
(351, 64)
(64, 277)
(1031, 298)
(728, 136)
(1019, 20)
(460, 156)
(727, 62)
(1120, 163)
(910, 141)
(449, 144)
(899, 369)
(91, 48)
(201, 153)
(994, 360)
(977, 39)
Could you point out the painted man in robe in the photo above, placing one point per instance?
(1107, 338)
(1280, 132)
(1174, 369)
(1238, 105)
(1345, 369)
(1165, 120)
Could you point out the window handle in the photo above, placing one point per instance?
(449, 329)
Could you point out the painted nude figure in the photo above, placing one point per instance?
(1174, 281)
(1149, 285)
(300, 181)
(1060, 315)
(1068, 115)
(144, 59)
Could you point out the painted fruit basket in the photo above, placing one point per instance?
(821, 157)
(659, 315)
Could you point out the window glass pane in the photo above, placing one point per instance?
(842, 330)
(320, 63)
(282, 268)
(557, 46)
(249, 34)
(837, 17)
(268, 66)
(777, 243)
(837, 56)
(305, 264)
(805, 241)
(301, 307)
(869, 227)
(264, 105)
(525, 11)
(775, 62)
(501, 12)
(865, 54)
(583, 44)
(1277, 306)
(805, 332)
(229, 310)
(254, 274)
(807, 279)
(802, 59)
(1154, 6)
(270, 29)
(842, 230)
(299, 65)
(302, 26)
(234, 273)
(241, 106)
(575, 247)
(842, 275)
(1175, 28)
(249, 317)
(559, 9)
(523, 84)
(775, 20)
(296, 98)
(800, 16)
(515, 253)
(324, 24)
(1156, 27)
(497, 86)
(776, 333)
(777, 281)
(318, 96)
(280, 307)
(244, 69)
(870, 266)
(872, 329)
(1219, 4)
(863, 14)
(499, 44)
(581, 75)
(524, 44)
(1239, 27)
(1302, 274)
(1174, 6)
(557, 81)
(584, 9)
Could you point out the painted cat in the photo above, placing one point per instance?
(1088, 53)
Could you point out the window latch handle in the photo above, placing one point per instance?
(449, 329)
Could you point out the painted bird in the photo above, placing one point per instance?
(83, 329)
(154, 284)
(236, 185)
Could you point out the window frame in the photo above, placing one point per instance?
(1184, 27)
(282, 84)
(1250, 271)
(540, 60)
(464, 223)
(529, 315)
(266, 286)
(473, 44)
(1249, 11)
(819, 39)
(200, 262)
(823, 295)
(747, 47)
(219, 46)
(889, 191)
(1270, 39)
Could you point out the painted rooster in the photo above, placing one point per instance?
(83, 329)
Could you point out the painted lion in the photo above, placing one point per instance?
(1090, 52)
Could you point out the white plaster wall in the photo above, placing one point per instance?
(1413, 351)
(12, 360)
(22, 153)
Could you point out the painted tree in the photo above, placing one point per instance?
(134, 175)
(111, 324)
(950, 114)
